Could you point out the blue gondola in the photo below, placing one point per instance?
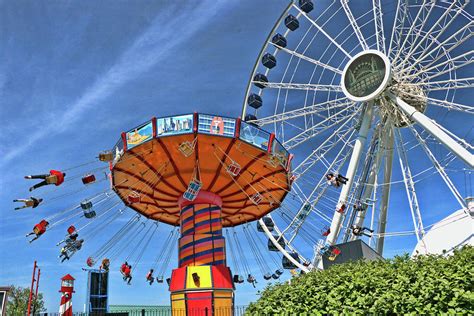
(269, 61)
(259, 78)
(268, 222)
(287, 264)
(291, 22)
(255, 101)
(306, 5)
(280, 241)
(279, 40)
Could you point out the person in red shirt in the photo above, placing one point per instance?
(54, 177)
(38, 230)
(122, 268)
(127, 274)
(149, 277)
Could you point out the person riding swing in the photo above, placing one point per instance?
(31, 202)
(54, 177)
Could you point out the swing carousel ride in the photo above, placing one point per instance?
(346, 98)
(198, 172)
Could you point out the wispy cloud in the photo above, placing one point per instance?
(168, 30)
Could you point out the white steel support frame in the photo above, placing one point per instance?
(387, 178)
(379, 32)
(369, 186)
(355, 26)
(440, 169)
(442, 29)
(434, 130)
(409, 187)
(351, 171)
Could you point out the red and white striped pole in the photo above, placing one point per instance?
(67, 288)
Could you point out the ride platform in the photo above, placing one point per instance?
(160, 160)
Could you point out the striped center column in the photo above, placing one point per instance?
(65, 309)
(202, 283)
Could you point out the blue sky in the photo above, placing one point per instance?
(75, 74)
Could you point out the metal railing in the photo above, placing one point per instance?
(199, 311)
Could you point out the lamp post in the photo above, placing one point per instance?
(67, 288)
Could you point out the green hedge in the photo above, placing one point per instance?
(425, 285)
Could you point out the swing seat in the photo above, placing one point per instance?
(90, 262)
(256, 198)
(159, 279)
(268, 222)
(85, 205)
(89, 178)
(189, 196)
(326, 231)
(233, 169)
(251, 279)
(275, 276)
(194, 186)
(133, 197)
(71, 230)
(186, 148)
(235, 278)
(89, 213)
(267, 276)
(279, 272)
(106, 155)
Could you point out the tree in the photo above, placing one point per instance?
(425, 285)
(17, 304)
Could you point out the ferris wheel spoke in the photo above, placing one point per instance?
(454, 64)
(301, 86)
(324, 148)
(447, 45)
(320, 127)
(428, 37)
(353, 23)
(413, 29)
(434, 130)
(303, 111)
(458, 83)
(409, 187)
(306, 58)
(378, 20)
(451, 105)
(320, 29)
(398, 25)
(439, 168)
(424, 36)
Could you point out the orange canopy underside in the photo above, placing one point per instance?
(160, 173)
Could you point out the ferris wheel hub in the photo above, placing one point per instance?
(366, 76)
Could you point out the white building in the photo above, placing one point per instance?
(450, 233)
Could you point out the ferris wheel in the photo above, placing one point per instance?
(374, 100)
